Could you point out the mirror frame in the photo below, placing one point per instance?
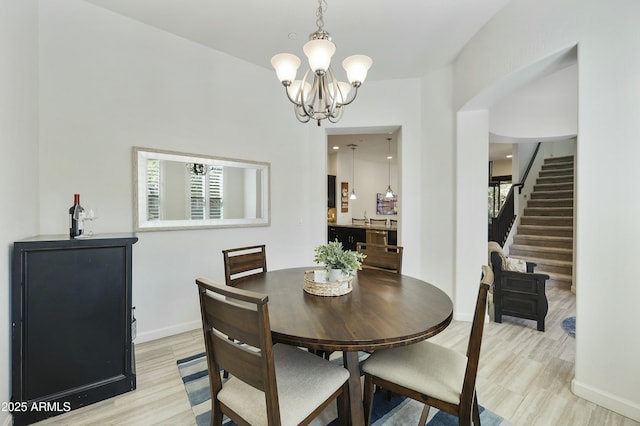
(140, 222)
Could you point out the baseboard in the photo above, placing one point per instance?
(468, 317)
(612, 402)
(159, 333)
(6, 419)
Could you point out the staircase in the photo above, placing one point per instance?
(545, 233)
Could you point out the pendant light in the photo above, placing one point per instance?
(389, 192)
(353, 196)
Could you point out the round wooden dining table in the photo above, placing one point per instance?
(383, 310)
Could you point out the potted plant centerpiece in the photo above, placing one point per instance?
(338, 263)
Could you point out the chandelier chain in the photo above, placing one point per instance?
(322, 6)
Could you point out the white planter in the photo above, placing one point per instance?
(320, 275)
(336, 274)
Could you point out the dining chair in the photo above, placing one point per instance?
(243, 262)
(432, 374)
(393, 223)
(380, 256)
(270, 384)
(358, 221)
(378, 222)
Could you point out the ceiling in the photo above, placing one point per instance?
(405, 38)
(373, 143)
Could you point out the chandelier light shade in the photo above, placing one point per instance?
(353, 195)
(389, 192)
(319, 94)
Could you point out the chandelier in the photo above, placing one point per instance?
(320, 95)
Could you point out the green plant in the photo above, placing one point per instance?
(332, 256)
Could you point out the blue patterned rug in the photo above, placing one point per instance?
(569, 325)
(397, 410)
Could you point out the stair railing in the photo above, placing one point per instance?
(526, 172)
(502, 223)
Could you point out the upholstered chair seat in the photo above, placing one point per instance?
(424, 367)
(304, 382)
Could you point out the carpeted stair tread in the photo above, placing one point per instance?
(543, 241)
(532, 248)
(554, 253)
(547, 220)
(551, 202)
(549, 211)
(559, 166)
(556, 172)
(555, 179)
(553, 186)
(560, 159)
(543, 195)
(566, 231)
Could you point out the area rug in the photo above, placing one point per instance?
(569, 325)
(396, 410)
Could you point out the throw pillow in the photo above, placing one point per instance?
(517, 265)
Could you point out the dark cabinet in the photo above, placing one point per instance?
(71, 324)
(349, 237)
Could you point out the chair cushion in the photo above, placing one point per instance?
(517, 265)
(304, 382)
(424, 367)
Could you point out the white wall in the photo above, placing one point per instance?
(608, 40)
(545, 108)
(109, 83)
(437, 182)
(18, 155)
(472, 170)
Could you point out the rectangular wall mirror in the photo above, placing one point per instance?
(174, 190)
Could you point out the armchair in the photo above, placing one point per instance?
(518, 294)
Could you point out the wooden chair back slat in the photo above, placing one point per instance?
(232, 320)
(243, 262)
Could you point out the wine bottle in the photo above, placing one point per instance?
(75, 217)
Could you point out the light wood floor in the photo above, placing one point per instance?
(525, 376)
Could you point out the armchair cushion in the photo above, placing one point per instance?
(517, 265)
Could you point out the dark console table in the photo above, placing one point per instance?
(71, 323)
